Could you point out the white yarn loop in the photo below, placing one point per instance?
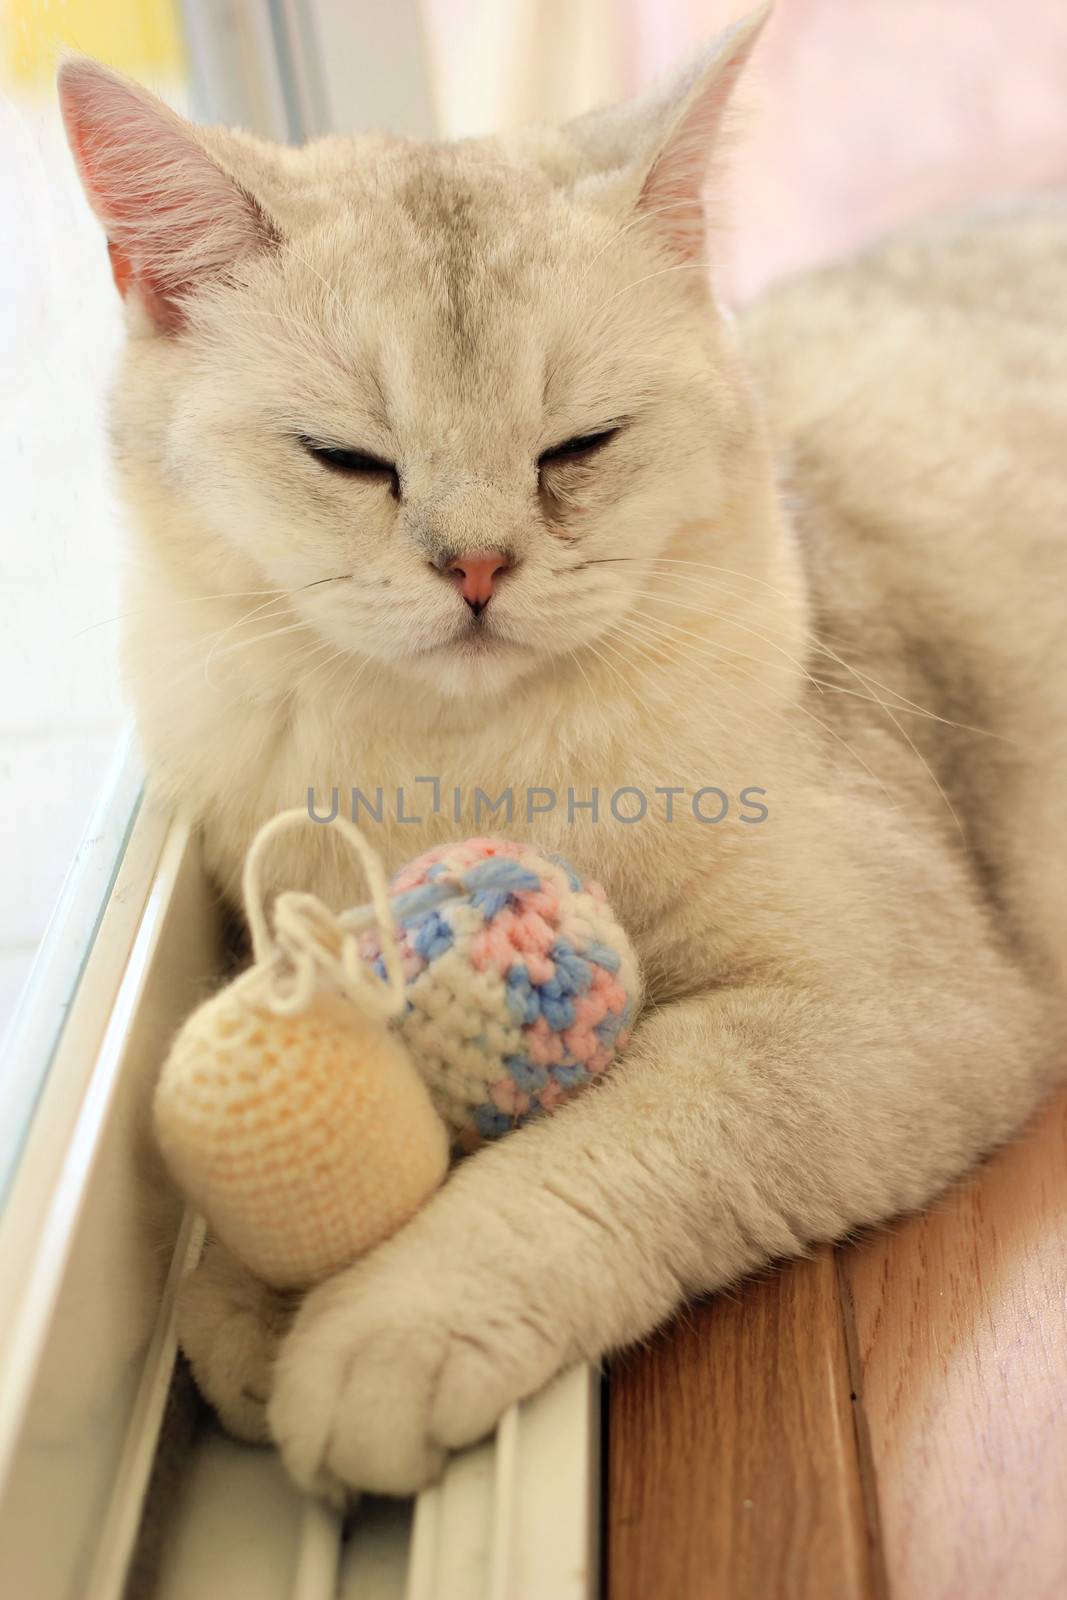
(309, 944)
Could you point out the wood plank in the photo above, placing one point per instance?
(732, 1470)
(961, 1329)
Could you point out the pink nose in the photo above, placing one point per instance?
(477, 573)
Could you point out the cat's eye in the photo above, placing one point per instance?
(576, 449)
(356, 463)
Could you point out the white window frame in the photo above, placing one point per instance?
(87, 1340)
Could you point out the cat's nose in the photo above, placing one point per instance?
(476, 574)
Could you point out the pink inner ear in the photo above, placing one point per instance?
(172, 216)
(672, 196)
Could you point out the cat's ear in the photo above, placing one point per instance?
(173, 217)
(656, 153)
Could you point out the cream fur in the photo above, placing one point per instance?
(853, 1000)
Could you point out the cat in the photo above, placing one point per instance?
(445, 464)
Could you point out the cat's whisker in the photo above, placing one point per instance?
(332, 659)
(333, 666)
(729, 572)
(707, 649)
(336, 661)
(718, 587)
(648, 655)
(910, 742)
(827, 728)
(790, 665)
(354, 681)
(164, 609)
(724, 617)
(315, 648)
(240, 645)
(687, 658)
(821, 647)
(613, 671)
(316, 583)
(225, 633)
(819, 644)
(257, 614)
(640, 220)
(868, 681)
(633, 694)
(293, 659)
(635, 283)
(246, 644)
(824, 685)
(594, 700)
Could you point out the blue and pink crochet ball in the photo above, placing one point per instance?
(521, 983)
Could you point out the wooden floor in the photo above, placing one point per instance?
(885, 1420)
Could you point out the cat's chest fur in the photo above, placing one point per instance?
(610, 787)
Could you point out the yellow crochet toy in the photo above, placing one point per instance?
(308, 1109)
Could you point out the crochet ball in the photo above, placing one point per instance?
(521, 984)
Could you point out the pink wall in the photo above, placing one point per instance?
(863, 112)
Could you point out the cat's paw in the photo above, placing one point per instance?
(230, 1327)
(410, 1354)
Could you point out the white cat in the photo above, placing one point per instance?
(444, 462)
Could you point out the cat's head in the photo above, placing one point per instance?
(454, 399)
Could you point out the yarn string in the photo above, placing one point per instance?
(308, 942)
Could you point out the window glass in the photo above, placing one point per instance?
(60, 532)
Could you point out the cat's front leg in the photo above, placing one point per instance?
(739, 1127)
(230, 1327)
